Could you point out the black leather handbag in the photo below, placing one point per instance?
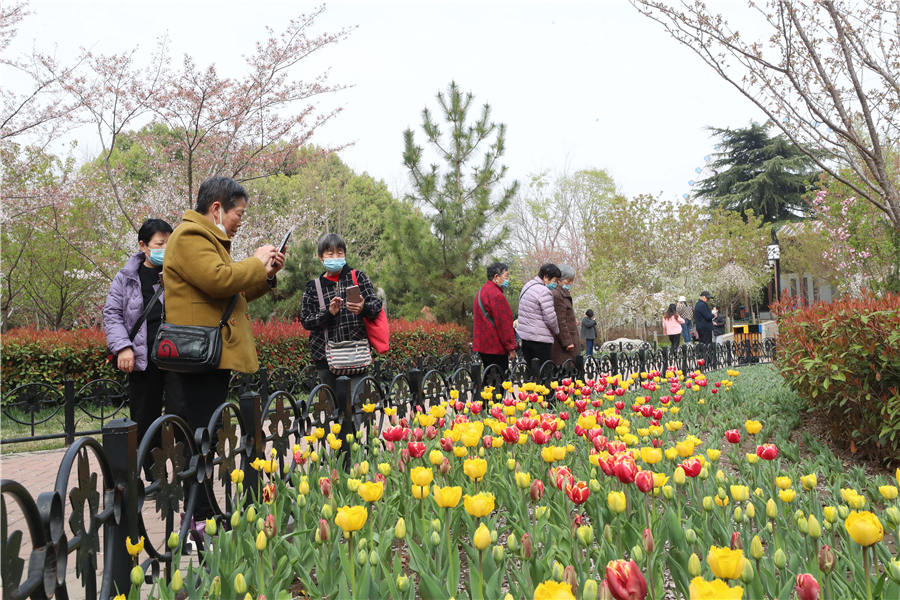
(190, 348)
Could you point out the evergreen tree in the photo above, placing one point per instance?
(753, 171)
(458, 202)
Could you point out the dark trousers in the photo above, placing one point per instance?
(705, 336)
(501, 360)
(589, 347)
(543, 351)
(145, 394)
(674, 339)
(194, 397)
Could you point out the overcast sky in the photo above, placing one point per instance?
(579, 84)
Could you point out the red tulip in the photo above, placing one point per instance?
(536, 491)
(625, 580)
(549, 425)
(510, 435)
(767, 451)
(701, 362)
(475, 408)
(597, 403)
(561, 396)
(497, 412)
(615, 446)
(298, 457)
(564, 477)
(539, 436)
(417, 434)
(611, 421)
(268, 493)
(578, 493)
(446, 444)
(620, 392)
(733, 436)
(567, 382)
(714, 391)
(416, 449)
(625, 469)
(807, 587)
(393, 434)
(431, 432)
(269, 526)
(644, 481)
(325, 486)
(488, 441)
(736, 543)
(692, 467)
(564, 416)
(526, 424)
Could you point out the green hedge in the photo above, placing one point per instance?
(36, 355)
(844, 358)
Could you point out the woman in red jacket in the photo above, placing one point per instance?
(493, 336)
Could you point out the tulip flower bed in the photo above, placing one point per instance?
(647, 485)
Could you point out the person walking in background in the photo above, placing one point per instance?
(687, 313)
(588, 332)
(564, 344)
(131, 318)
(493, 336)
(704, 318)
(718, 325)
(672, 323)
(538, 326)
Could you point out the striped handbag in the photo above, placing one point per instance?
(352, 357)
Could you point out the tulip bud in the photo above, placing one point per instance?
(215, 587)
(771, 509)
(826, 559)
(210, 527)
(235, 519)
(240, 584)
(637, 553)
(435, 538)
(482, 537)
(594, 486)
(843, 511)
(604, 593)
(557, 571)
(260, 523)
(679, 476)
(373, 557)
(694, 567)
(362, 557)
(137, 576)
(893, 570)
(589, 592)
(493, 536)
(736, 543)
(511, 464)
(803, 526)
(526, 546)
(647, 540)
(748, 573)
(738, 514)
(750, 510)
(261, 541)
(496, 552)
(536, 492)
(362, 543)
(270, 527)
(174, 541)
(780, 558)
(177, 582)
(324, 531)
(769, 527)
(571, 578)
(704, 473)
(402, 583)
(892, 516)
(400, 529)
(327, 511)
(720, 476)
(812, 525)
(585, 535)
(668, 492)
(607, 533)
(690, 536)
(708, 504)
(756, 547)
(512, 542)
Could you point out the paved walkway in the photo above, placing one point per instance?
(37, 472)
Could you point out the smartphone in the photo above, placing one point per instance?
(283, 245)
(353, 294)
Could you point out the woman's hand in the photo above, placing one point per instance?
(334, 307)
(125, 360)
(275, 264)
(355, 307)
(265, 255)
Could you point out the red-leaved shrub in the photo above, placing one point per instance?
(844, 358)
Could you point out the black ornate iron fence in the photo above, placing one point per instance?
(106, 501)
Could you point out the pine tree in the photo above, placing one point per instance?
(457, 200)
(754, 171)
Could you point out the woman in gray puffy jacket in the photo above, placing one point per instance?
(537, 326)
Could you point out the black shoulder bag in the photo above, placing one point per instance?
(190, 348)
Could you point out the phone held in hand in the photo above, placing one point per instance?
(353, 294)
(283, 245)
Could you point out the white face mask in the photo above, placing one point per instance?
(221, 223)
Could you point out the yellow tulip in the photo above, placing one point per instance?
(673, 425)
(660, 479)
(384, 468)
(888, 492)
(714, 454)
(459, 451)
(616, 501)
(830, 513)
(864, 527)
(685, 448)
(351, 518)
(740, 493)
(336, 428)
(482, 537)
(725, 562)
(436, 457)
(679, 477)
(426, 420)
(421, 476)
(787, 496)
(700, 589)
(671, 453)
(547, 454)
(753, 427)
(368, 407)
(752, 458)
(447, 496)
(419, 492)
(651, 455)
(475, 468)
(134, 549)
(523, 480)
(783, 482)
(371, 491)
(553, 590)
(809, 481)
(479, 505)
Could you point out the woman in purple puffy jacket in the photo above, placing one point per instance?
(537, 325)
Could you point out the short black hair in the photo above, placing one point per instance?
(549, 270)
(224, 190)
(497, 268)
(331, 241)
(151, 227)
(589, 313)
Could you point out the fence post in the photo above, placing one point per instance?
(264, 382)
(251, 413)
(475, 372)
(69, 395)
(579, 365)
(535, 367)
(344, 399)
(614, 362)
(120, 447)
(415, 383)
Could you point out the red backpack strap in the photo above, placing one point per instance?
(353, 274)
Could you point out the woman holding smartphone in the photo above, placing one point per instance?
(347, 296)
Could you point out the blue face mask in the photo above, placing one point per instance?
(333, 265)
(567, 287)
(505, 284)
(156, 256)
(551, 286)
